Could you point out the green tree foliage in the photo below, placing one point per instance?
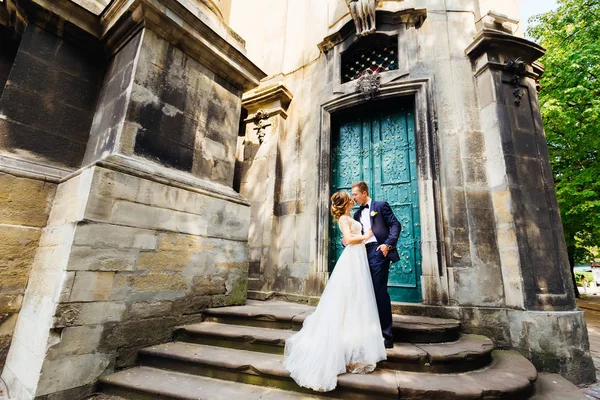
(570, 105)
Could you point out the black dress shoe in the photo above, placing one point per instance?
(389, 343)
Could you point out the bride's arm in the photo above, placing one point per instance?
(348, 238)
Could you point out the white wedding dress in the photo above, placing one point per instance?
(343, 334)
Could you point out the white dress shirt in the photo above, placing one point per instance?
(365, 220)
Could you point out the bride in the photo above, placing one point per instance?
(343, 334)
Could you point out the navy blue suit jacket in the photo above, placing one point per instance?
(385, 226)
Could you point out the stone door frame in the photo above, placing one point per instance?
(434, 278)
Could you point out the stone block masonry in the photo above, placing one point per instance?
(161, 104)
(24, 208)
(48, 102)
(122, 261)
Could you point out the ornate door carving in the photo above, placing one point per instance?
(378, 146)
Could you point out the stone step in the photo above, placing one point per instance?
(144, 383)
(283, 315)
(254, 284)
(266, 340)
(555, 387)
(510, 375)
(468, 353)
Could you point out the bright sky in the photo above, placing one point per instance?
(530, 8)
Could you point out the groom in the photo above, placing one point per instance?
(381, 249)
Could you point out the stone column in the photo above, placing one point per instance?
(146, 231)
(545, 323)
(259, 165)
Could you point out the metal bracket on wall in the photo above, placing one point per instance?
(517, 67)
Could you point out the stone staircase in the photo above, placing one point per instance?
(236, 353)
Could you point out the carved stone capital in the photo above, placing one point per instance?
(275, 98)
(495, 49)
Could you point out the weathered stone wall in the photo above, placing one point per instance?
(529, 226)
(122, 261)
(47, 94)
(188, 116)
(169, 109)
(149, 231)
(279, 178)
(24, 208)
(49, 99)
(111, 108)
(474, 270)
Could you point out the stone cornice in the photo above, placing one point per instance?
(52, 14)
(345, 28)
(140, 167)
(276, 95)
(213, 7)
(492, 49)
(504, 43)
(32, 169)
(538, 68)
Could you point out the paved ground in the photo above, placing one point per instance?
(591, 310)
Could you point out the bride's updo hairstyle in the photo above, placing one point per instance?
(339, 203)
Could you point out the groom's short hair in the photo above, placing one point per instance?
(362, 186)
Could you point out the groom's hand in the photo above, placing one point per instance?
(384, 249)
(344, 242)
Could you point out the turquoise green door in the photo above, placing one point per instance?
(378, 147)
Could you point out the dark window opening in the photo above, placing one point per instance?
(378, 53)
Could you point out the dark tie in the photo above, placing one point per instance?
(363, 207)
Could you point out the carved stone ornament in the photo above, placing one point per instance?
(260, 120)
(517, 67)
(368, 84)
(363, 14)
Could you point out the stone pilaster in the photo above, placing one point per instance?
(533, 254)
(259, 164)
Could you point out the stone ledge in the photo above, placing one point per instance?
(32, 169)
(158, 382)
(145, 169)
